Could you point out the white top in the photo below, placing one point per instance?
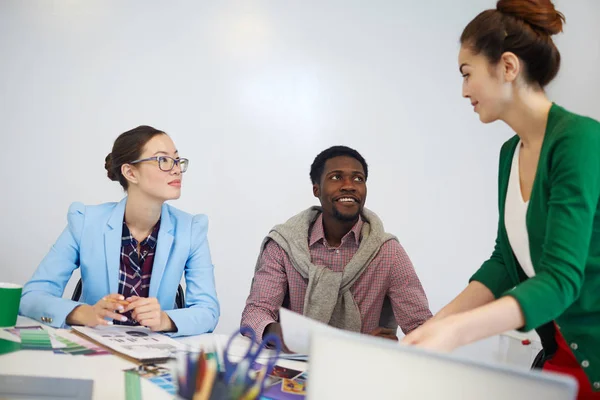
(515, 212)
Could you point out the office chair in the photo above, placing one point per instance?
(179, 297)
(546, 333)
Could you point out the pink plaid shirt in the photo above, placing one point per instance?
(390, 273)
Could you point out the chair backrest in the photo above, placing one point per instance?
(539, 360)
(77, 292)
(347, 365)
(547, 334)
(179, 297)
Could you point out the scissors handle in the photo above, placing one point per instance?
(230, 367)
(276, 342)
(257, 386)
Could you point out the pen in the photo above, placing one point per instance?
(124, 303)
(200, 371)
(209, 381)
(219, 352)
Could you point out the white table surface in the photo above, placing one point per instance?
(106, 370)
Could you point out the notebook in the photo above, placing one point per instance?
(24, 387)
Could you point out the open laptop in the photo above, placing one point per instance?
(348, 365)
(13, 387)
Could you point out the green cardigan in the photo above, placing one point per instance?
(563, 223)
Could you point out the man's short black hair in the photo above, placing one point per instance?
(318, 165)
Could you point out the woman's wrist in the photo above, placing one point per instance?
(167, 324)
(76, 316)
(461, 326)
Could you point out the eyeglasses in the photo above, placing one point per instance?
(166, 163)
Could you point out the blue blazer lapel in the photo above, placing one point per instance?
(163, 249)
(112, 245)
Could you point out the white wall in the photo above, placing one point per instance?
(578, 83)
(251, 92)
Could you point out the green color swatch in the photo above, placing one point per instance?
(35, 340)
(73, 348)
(133, 388)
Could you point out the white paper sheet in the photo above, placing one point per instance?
(297, 330)
(136, 342)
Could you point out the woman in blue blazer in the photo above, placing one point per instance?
(132, 254)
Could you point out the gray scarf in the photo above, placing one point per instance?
(328, 298)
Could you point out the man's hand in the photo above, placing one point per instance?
(385, 333)
(275, 329)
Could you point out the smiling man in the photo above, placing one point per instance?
(335, 263)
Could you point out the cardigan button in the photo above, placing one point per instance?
(596, 385)
(585, 363)
(574, 346)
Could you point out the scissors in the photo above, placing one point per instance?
(238, 375)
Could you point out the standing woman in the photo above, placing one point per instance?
(132, 254)
(545, 268)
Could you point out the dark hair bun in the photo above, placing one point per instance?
(539, 14)
(109, 168)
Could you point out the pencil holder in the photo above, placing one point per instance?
(200, 376)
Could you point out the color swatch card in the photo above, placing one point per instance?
(133, 387)
(61, 341)
(34, 339)
(76, 345)
(159, 376)
(17, 332)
